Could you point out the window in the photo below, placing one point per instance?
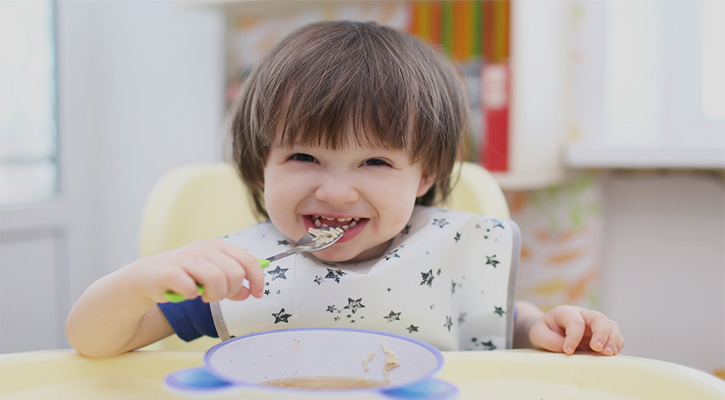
(28, 129)
(662, 59)
(713, 61)
(650, 91)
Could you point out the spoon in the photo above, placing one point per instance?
(311, 242)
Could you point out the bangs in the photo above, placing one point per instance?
(349, 97)
(340, 117)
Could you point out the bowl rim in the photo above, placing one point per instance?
(432, 349)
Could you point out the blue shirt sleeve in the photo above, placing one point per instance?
(190, 319)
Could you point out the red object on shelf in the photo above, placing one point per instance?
(495, 103)
(496, 84)
(480, 31)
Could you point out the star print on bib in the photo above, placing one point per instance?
(446, 279)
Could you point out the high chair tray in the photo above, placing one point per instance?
(504, 374)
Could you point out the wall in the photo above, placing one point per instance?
(646, 248)
(160, 93)
(157, 101)
(664, 264)
(140, 90)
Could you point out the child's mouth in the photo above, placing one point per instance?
(351, 226)
(320, 221)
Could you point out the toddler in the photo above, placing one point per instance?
(354, 125)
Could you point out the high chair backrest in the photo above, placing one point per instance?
(202, 201)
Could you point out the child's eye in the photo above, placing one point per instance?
(376, 162)
(302, 157)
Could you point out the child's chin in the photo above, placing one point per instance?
(342, 254)
(331, 255)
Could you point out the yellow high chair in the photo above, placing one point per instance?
(202, 201)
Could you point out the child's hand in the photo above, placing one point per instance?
(568, 328)
(217, 265)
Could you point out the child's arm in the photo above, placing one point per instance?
(119, 312)
(566, 329)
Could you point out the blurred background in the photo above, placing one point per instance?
(603, 121)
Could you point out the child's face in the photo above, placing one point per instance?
(372, 190)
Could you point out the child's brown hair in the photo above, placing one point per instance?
(339, 83)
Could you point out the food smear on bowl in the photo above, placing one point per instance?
(391, 361)
(324, 382)
(365, 361)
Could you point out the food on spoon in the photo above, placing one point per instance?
(322, 237)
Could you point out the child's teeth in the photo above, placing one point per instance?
(319, 224)
(345, 227)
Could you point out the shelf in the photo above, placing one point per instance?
(510, 181)
(662, 154)
(271, 8)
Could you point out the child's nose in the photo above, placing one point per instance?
(337, 189)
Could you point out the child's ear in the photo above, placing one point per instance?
(426, 182)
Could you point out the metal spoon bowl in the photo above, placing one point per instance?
(306, 244)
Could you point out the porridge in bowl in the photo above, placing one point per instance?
(341, 382)
(340, 357)
(324, 382)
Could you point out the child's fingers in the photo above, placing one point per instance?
(254, 274)
(220, 267)
(615, 342)
(606, 337)
(242, 294)
(235, 273)
(600, 327)
(574, 328)
(567, 328)
(546, 337)
(183, 284)
(213, 278)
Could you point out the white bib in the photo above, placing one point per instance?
(447, 279)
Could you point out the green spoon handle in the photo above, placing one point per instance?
(177, 298)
